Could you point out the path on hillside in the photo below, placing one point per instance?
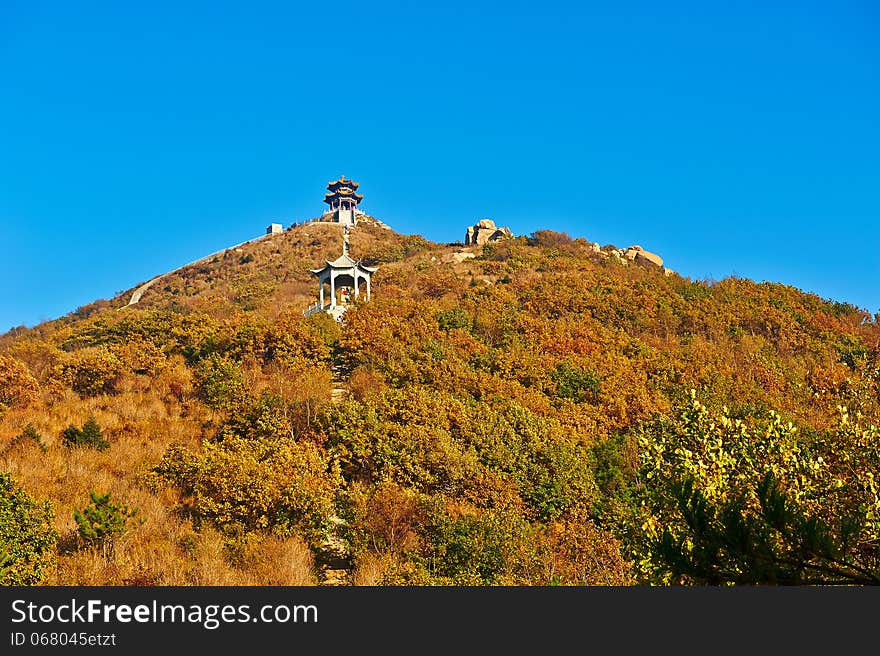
(334, 556)
(339, 384)
(139, 292)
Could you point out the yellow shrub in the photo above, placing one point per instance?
(91, 371)
(271, 484)
(17, 387)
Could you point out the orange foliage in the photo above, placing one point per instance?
(17, 386)
(479, 392)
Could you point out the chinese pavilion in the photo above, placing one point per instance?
(343, 200)
(344, 276)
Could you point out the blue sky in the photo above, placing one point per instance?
(731, 138)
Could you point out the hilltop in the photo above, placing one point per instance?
(523, 411)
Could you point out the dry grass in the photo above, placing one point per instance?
(160, 548)
(147, 414)
(371, 568)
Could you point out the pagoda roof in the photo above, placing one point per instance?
(343, 192)
(344, 262)
(342, 182)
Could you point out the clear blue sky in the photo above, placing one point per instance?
(730, 138)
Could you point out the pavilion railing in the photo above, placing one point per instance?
(317, 307)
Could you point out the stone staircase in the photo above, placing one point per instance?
(334, 558)
(339, 385)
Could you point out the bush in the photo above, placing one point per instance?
(220, 382)
(391, 252)
(326, 327)
(88, 435)
(92, 371)
(579, 385)
(304, 387)
(579, 552)
(256, 484)
(476, 549)
(103, 520)
(387, 519)
(550, 238)
(17, 386)
(455, 318)
(292, 337)
(755, 502)
(30, 434)
(141, 356)
(266, 417)
(27, 538)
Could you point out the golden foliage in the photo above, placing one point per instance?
(91, 371)
(270, 484)
(18, 388)
(490, 402)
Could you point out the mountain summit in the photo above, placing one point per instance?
(525, 410)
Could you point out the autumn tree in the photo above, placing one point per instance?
(265, 483)
(17, 386)
(27, 535)
(91, 371)
(757, 502)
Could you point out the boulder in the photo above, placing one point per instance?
(459, 257)
(485, 231)
(644, 257)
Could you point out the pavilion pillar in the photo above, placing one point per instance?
(332, 289)
(356, 286)
(321, 292)
(368, 288)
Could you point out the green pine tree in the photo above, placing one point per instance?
(102, 521)
(89, 435)
(775, 544)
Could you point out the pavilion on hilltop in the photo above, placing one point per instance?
(343, 199)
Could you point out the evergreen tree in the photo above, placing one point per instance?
(103, 520)
(88, 435)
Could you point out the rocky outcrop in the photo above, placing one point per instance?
(639, 255)
(644, 257)
(635, 254)
(631, 252)
(460, 256)
(484, 232)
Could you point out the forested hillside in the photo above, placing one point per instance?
(537, 414)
